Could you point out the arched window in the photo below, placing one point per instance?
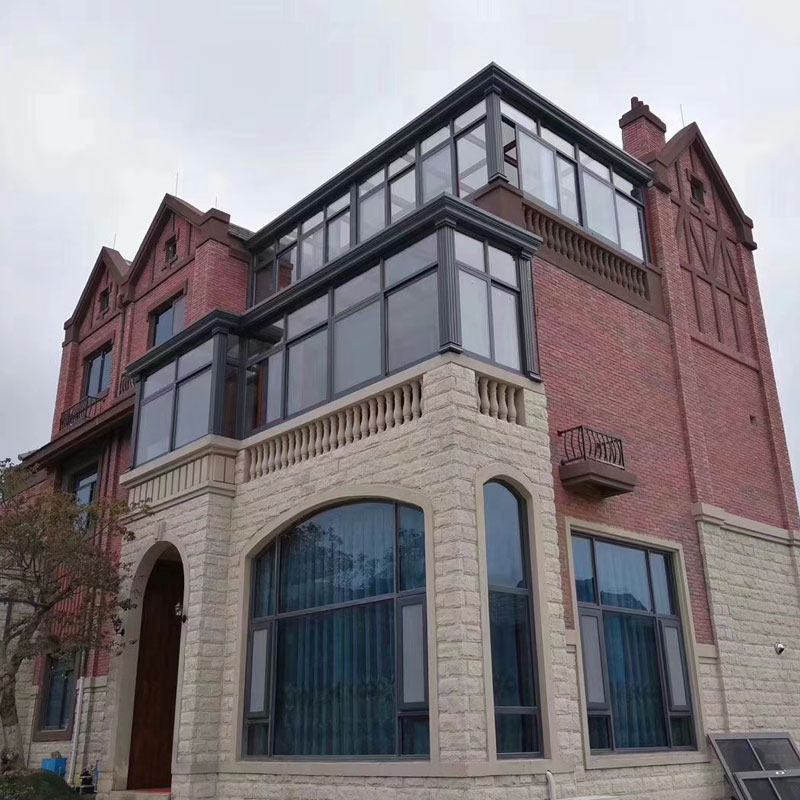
(514, 675)
(337, 657)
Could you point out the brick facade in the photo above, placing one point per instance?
(686, 382)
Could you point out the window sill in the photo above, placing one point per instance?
(397, 768)
(52, 736)
(621, 760)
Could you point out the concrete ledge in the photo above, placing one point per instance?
(714, 515)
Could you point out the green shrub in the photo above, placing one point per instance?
(34, 786)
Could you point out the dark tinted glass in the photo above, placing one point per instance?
(413, 322)
(162, 326)
(437, 175)
(308, 372)
(335, 682)
(59, 693)
(412, 626)
(307, 317)
(159, 379)
(357, 347)
(622, 576)
(419, 255)
(776, 753)
(411, 545)
(761, 789)
(681, 728)
(738, 755)
(471, 151)
(264, 584)
(194, 359)
(287, 267)
(311, 252)
(674, 658)
(599, 733)
(634, 681)
(371, 215)
(403, 195)
(512, 667)
(275, 387)
(93, 377)
(192, 413)
(257, 738)
(516, 733)
(503, 537)
(788, 787)
(415, 736)
(155, 420)
(342, 554)
(658, 572)
(584, 570)
(357, 289)
(264, 282)
(338, 236)
(85, 488)
(105, 372)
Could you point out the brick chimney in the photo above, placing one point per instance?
(643, 133)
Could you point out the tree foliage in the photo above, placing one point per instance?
(60, 577)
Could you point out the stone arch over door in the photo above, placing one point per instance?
(163, 568)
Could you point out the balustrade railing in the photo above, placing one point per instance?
(125, 384)
(582, 443)
(361, 420)
(499, 399)
(84, 409)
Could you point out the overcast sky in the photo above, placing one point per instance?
(256, 104)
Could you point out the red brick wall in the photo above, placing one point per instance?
(609, 365)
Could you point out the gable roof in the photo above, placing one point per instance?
(682, 141)
(118, 268)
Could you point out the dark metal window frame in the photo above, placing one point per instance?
(329, 324)
(216, 366)
(536, 710)
(102, 353)
(580, 171)
(158, 311)
(270, 622)
(44, 733)
(598, 610)
(293, 236)
(735, 779)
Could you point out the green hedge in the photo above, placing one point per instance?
(34, 786)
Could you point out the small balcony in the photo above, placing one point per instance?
(86, 408)
(594, 463)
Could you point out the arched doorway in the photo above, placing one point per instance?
(150, 763)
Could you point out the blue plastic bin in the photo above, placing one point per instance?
(57, 765)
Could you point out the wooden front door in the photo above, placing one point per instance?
(150, 765)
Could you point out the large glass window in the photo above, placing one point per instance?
(514, 681)
(449, 159)
(636, 679)
(381, 320)
(489, 301)
(167, 321)
(175, 406)
(547, 166)
(337, 656)
(58, 694)
(98, 373)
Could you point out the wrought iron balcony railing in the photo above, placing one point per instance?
(594, 461)
(586, 443)
(84, 409)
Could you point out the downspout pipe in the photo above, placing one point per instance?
(551, 785)
(76, 727)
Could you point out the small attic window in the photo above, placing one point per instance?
(171, 249)
(104, 300)
(698, 191)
